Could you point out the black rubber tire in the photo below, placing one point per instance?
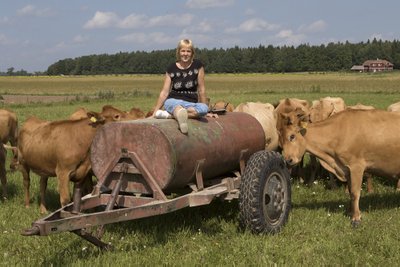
(265, 193)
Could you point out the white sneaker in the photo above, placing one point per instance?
(162, 114)
(181, 117)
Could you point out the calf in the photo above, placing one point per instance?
(61, 148)
(58, 148)
(348, 144)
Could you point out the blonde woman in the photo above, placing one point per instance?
(183, 94)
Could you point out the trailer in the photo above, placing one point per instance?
(148, 167)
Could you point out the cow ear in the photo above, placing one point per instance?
(303, 131)
(117, 117)
(95, 118)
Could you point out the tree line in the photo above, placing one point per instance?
(303, 58)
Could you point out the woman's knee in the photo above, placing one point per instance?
(202, 109)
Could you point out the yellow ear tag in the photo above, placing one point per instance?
(93, 119)
(303, 124)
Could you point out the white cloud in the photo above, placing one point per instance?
(316, 26)
(136, 21)
(208, 3)
(140, 37)
(171, 20)
(290, 38)
(133, 21)
(253, 25)
(31, 10)
(102, 20)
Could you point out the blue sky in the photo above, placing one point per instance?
(35, 34)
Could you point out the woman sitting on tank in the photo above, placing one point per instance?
(183, 94)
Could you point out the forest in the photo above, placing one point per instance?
(262, 59)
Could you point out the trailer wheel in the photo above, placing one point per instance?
(265, 193)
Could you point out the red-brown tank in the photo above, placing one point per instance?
(170, 156)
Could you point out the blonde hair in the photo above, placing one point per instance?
(187, 44)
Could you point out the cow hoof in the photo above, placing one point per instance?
(355, 223)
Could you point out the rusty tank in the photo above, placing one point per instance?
(170, 157)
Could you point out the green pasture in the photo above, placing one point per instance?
(318, 231)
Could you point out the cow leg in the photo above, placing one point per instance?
(63, 188)
(27, 182)
(43, 187)
(398, 185)
(355, 182)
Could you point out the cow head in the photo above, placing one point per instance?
(293, 143)
(111, 113)
(136, 113)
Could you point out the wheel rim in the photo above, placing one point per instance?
(274, 198)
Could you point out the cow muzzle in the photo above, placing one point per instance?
(290, 162)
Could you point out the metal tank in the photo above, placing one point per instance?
(170, 157)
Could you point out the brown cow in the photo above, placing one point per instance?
(78, 114)
(229, 107)
(264, 113)
(60, 148)
(136, 113)
(348, 144)
(8, 134)
(108, 110)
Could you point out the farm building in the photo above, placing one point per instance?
(373, 66)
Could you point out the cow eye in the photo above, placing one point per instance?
(291, 137)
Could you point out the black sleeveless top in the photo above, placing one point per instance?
(184, 81)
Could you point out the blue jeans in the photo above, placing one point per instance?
(171, 103)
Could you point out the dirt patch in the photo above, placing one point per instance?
(22, 99)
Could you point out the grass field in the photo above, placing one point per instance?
(318, 231)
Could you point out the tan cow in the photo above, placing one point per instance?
(264, 113)
(320, 110)
(360, 106)
(395, 107)
(348, 144)
(325, 107)
(8, 134)
(295, 111)
(60, 148)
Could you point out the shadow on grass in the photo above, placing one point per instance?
(371, 201)
(158, 230)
